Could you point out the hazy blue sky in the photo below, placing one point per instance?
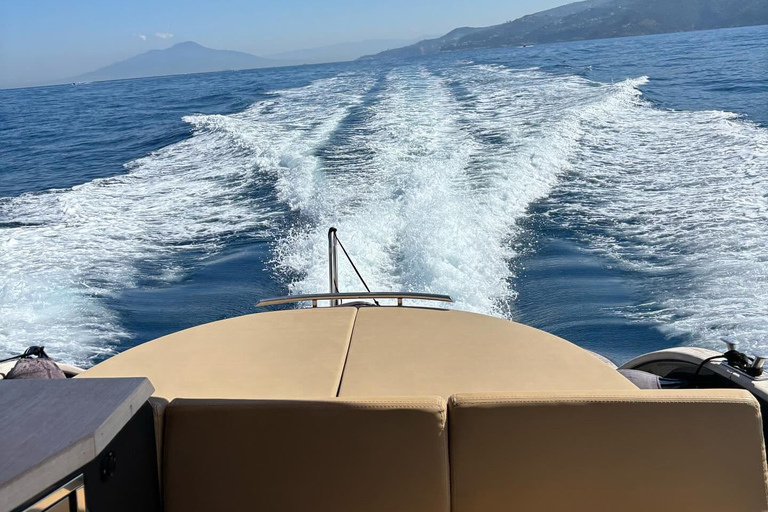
(48, 39)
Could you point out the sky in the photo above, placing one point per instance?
(46, 40)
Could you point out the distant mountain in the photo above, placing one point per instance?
(181, 58)
(341, 51)
(427, 46)
(596, 19)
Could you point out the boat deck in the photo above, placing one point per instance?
(360, 351)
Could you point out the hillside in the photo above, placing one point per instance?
(340, 52)
(181, 58)
(596, 19)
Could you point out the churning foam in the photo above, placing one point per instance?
(680, 198)
(446, 166)
(69, 252)
(426, 173)
(449, 162)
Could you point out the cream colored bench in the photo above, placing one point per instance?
(644, 450)
(377, 455)
(622, 451)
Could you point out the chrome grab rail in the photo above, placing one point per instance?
(335, 298)
(333, 264)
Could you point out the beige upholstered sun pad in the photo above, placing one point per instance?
(282, 354)
(378, 455)
(404, 351)
(642, 450)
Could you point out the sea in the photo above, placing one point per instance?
(612, 192)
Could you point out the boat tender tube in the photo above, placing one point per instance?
(646, 380)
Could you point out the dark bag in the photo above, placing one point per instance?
(40, 367)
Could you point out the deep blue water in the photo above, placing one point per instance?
(613, 192)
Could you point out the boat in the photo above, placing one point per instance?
(383, 401)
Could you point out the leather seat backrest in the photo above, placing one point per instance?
(377, 455)
(643, 450)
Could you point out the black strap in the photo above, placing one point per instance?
(355, 268)
(31, 351)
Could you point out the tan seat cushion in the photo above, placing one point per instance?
(644, 450)
(380, 455)
(280, 354)
(405, 351)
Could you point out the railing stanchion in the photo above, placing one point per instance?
(333, 268)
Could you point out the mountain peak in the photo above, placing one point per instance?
(181, 58)
(187, 45)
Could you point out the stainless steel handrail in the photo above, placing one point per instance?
(336, 297)
(333, 264)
